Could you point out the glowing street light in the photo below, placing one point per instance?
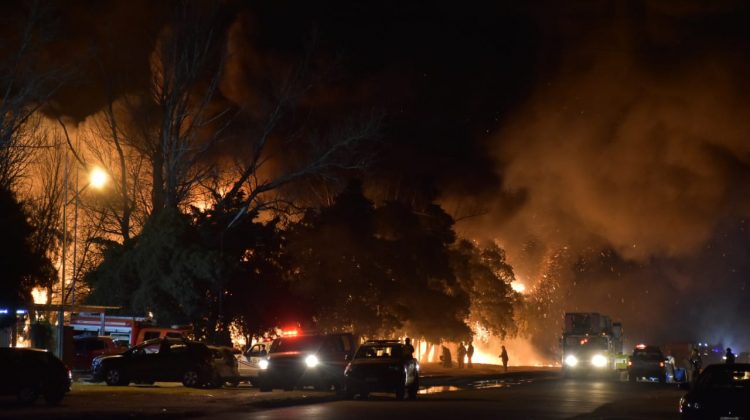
(98, 178)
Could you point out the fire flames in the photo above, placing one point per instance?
(518, 286)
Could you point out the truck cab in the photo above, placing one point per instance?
(591, 344)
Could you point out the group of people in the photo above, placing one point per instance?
(465, 355)
(465, 352)
(696, 362)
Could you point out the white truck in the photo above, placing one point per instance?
(591, 344)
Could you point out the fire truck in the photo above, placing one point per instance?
(591, 344)
(123, 329)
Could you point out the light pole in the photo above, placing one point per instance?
(97, 179)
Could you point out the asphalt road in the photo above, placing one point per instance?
(528, 394)
(545, 399)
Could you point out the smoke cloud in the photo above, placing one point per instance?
(646, 164)
(631, 158)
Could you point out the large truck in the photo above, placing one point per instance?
(125, 330)
(591, 344)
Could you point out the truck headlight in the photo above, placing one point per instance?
(599, 361)
(571, 360)
(311, 361)
(263, 364)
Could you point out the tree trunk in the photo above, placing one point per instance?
(157, 189)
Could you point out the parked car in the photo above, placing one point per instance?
(249, 362)
(87, 347)
(160, 359)
(29, 373)
(647, 362)
(382, 366)
(224, 367)
(307, 360)
(721, 391)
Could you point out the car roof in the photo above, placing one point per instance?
(92, 337)
(310, 334)
(728, 366)
(223, 348)
(170, 340)
(23, 349)
(647, 349)
(382, 343)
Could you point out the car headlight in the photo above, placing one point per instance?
(263, 364)
(599, 361)
(686, 404)
(311, 361)
(571, 360)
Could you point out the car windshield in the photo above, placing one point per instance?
(304, 344)
(373, 351)
(147, 347)
(726, 377)
(590, 343)
(647, 355)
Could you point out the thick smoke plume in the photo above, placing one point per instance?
(632, 169)
(646, 165)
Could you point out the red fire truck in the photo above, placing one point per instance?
(123, 329)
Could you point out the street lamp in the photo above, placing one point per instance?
(98, 178)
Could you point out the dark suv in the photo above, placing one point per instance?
(29, 373)
(382, 366)
(307, 360)
(160, 359)
(647, 362)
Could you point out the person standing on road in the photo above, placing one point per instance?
(729, 356)
(470, 353)
(695, 365)
(461, 354)
(408, 348)
(504, 357)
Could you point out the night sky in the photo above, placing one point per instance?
(615, 131)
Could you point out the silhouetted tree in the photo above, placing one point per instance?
(485, 275)
(26, 84)
(251, 288)
(379, 270)
(335, 262)
(166, 270)
(423, 287)
(23, 267)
